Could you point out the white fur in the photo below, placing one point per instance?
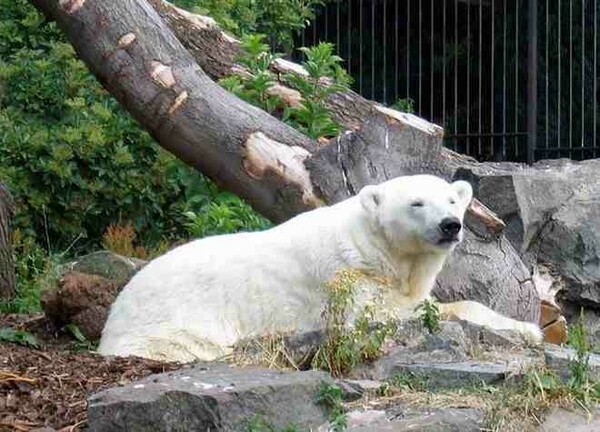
(200, 298)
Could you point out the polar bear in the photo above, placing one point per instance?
(199, 299)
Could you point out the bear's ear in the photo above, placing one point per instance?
(464, 191)
(370, 198)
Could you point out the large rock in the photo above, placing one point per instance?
(86, 290)
(211, 397)
(552, 213)
(489, 270)
(445, 359)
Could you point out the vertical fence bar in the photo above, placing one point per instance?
(326, 19)
(408, 50)
(384, 51)
(420, 55)
(504, 81)
(492, 98)
(546, 112)
(480, 79)
(337, 26)
(570, 77)
(349, 37)
(595, 75)
(582, 77)
(396, 52)
(372, 50)
(444, 67)
(455, 73)
(468, 143)
(360, 47)
(516, 126)
(532, 73)
(559, 50)
(431, 69)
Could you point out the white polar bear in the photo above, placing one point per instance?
(197, 300)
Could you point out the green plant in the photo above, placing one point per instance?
(21, 337)
(35, 269)
(331, 397)
(325, 77)
(253, 88)
(345, 346)
(406, 105)
(338, 354)
(81, 343)
(225, 214)
(430, 315)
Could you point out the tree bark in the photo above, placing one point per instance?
(155, 67)
(7, 268)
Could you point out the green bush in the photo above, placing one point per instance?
(280, 19)
(75, 161)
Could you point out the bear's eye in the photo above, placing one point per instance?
(452, 201)
(416, 204)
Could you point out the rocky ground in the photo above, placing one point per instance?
(464, 378)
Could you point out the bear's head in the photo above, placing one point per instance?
(420, 213)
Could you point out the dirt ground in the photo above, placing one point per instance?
(48, 387)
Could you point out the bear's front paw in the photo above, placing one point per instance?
(531, 333)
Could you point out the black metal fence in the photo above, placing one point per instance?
(508, 79)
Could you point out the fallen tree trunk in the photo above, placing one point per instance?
(7, 268)
(141, 59)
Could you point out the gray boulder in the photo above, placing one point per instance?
(211, 397)
(489, 270)
(552, 213)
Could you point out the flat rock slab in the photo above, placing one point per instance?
(215, 397)
(454, 375)
(414, 419)
(558, 360)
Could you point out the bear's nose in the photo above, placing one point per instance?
(450, 226)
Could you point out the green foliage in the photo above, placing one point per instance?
(21, 337)
(35, 271)
(257, 58)
(280, 19)
(331, 397)
(80, 342)
(325, 76)
(73, 159)
(580, 382)
(430, 315)
(223, 215)
(406, 105)
(345, 347)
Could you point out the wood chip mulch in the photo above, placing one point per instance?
(48, 387)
